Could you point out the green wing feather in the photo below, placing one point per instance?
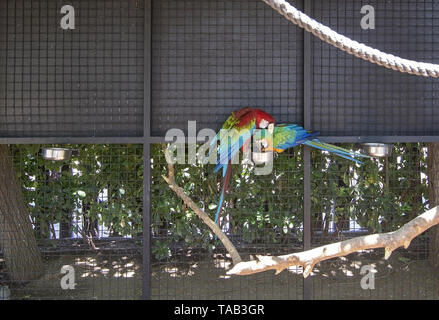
(282, 135)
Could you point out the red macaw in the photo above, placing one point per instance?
(235, 134)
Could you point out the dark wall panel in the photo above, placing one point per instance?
(353, 97)
(82, 82)
(211, 57)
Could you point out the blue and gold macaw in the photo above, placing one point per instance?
(290, 135)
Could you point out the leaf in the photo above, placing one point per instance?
(404, 260)
(80, 193)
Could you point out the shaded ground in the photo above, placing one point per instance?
(190, 276)
(97, 276)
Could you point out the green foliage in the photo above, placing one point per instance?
(103, 183)
(106, 186)
(381, 195)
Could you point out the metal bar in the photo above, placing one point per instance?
(115, 140)
(146, 247)
(307, 70)
(147, 71)
(121, 140)
(307, 73)
(306, 213)
(163, 140)
(72, 140)
(156, 139)
(383, 139)
(348, 139)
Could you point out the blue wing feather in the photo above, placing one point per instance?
(297, 135)
(229, 149)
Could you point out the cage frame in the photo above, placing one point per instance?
(147, 140)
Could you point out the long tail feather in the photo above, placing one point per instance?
(223, 190)
(341, 152)
(345, 151)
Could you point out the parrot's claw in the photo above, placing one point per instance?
(263, 143)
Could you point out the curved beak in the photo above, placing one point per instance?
(271, 128)
(265, 145)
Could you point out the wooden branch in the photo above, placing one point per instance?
(308, 259)
(236, 258)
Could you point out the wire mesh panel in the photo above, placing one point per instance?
(379, 196)
(262, 214)
(211, 57)
(85, 216)
(86, 81)
(351, 97)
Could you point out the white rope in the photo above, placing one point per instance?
(350, 46)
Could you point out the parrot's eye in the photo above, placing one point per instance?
(263, 124)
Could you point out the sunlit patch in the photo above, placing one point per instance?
(84, 262)
(220, 262)
(129, 274)
(105, 271)
(295, 270)
(175, 272)
(171, 270)
(347, 272)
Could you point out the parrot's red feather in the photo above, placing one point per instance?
(239, 113)
(247, 115)
(259, 114)
(246, 119)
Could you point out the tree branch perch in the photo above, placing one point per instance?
(308, 259)
(170, 179)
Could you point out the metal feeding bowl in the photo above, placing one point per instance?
(57, 154)
(377, 150)
(262, 157)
